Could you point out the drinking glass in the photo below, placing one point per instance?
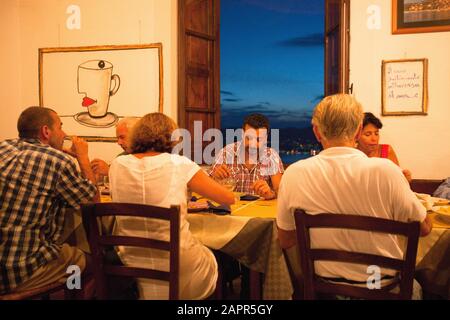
(229, 183)
(103, 184)
(106, 182)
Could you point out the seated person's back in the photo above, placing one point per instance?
(343, 180)
(155, 177)
(38, 183)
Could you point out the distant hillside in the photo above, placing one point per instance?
(298, 134)
(291, 137)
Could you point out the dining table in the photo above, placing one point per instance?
(433, 256)
(249, 234)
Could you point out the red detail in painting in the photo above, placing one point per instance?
(88, 101)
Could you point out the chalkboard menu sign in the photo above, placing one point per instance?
(404, 87)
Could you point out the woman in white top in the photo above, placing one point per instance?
(151, 175)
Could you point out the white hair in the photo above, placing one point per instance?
(129, 122)
(338, 117)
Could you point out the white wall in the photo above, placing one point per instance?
(422, 143)
(28, 25)
(10, 67)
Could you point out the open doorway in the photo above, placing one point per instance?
(272, 62)
(277, 57)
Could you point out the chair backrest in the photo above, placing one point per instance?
(43, 293)
(314, 284)
(425, 185)
(98, 241)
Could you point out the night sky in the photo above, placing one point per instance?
(271, 60)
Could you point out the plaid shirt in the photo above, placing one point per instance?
(37, 184)
(268, 165)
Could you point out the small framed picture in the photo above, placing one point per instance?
(414, 16)
(404, 87)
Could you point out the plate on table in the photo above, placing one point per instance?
(440, 201)
(194, 206)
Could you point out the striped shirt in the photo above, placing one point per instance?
(37, 184)
(268, 164)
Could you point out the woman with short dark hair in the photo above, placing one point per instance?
(370, 138)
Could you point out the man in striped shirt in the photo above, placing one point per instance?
(256, 167)
(38, 183)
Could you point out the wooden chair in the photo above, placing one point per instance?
(42, 293)
(314, 285)
(297, 283)
(99, 242)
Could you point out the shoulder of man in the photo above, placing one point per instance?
(58, 154)
(46, 150)
(382, 166)
(8, 144)
(123, 153)
(386, 172)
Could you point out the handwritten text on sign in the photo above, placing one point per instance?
(404, 86)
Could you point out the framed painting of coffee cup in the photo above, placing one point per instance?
(414, 16)
(91, 88)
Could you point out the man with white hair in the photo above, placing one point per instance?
(342, 179)
(123, 127)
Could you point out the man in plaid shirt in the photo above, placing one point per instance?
(256, 168)
(38, 183)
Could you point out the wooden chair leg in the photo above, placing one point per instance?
(255, 285)
(221, 288)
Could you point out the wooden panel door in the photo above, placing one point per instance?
(337, 37)
(199, 65)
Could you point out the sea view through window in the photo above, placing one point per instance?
(272, 55)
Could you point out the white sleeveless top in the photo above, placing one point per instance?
(161, 180)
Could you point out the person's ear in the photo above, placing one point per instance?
(358, 133)
(45, 133)
(317, 133)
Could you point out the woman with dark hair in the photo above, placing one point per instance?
(370, 138)
(152, 175)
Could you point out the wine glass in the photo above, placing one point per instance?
(103, 184)
(229, 183)
(106, 182)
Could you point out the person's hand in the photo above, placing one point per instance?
(262, 189)
(100, 167)
(69, 152)
(79, 147)
(407, 174)
(221, 172)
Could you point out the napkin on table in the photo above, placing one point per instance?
(425, 199)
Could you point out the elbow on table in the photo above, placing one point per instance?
(425, 227)
(229, 198)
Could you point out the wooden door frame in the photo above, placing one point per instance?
(215, 108)
(344, 37)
